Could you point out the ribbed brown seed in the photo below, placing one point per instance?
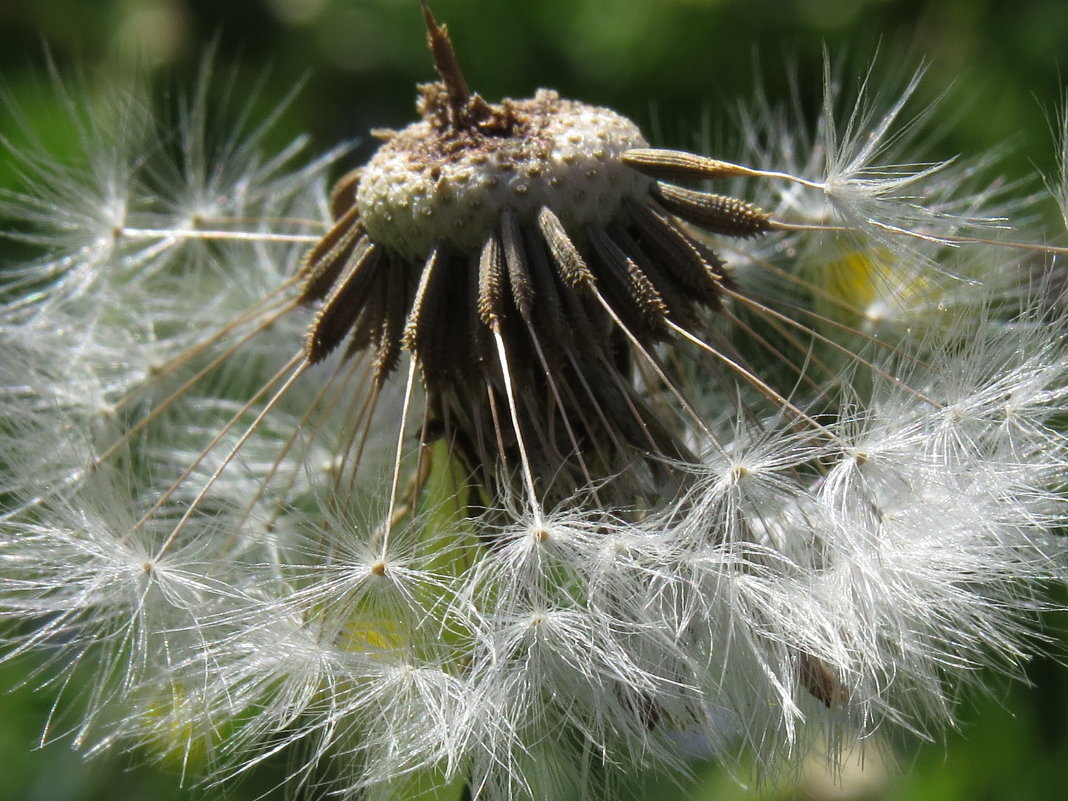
(490, 281)
(481, 344)
(640, 292)
(343, 195)
(678, 305)
(426, 309)
(572, 267)
(553, 330)
(345, 302)
(368, 327)
(516, 260)
(325, 261)
(720, 214)
(674, 164)
(389, 341)
(697, 268)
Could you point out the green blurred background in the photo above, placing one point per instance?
(674, 66)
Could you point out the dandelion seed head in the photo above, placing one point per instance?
(488, 469)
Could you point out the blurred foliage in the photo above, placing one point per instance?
(668, 64)
(673, 66)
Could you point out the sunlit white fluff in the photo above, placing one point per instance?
(844, 556)
(110, 608)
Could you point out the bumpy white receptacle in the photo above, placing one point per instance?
(428, 185)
